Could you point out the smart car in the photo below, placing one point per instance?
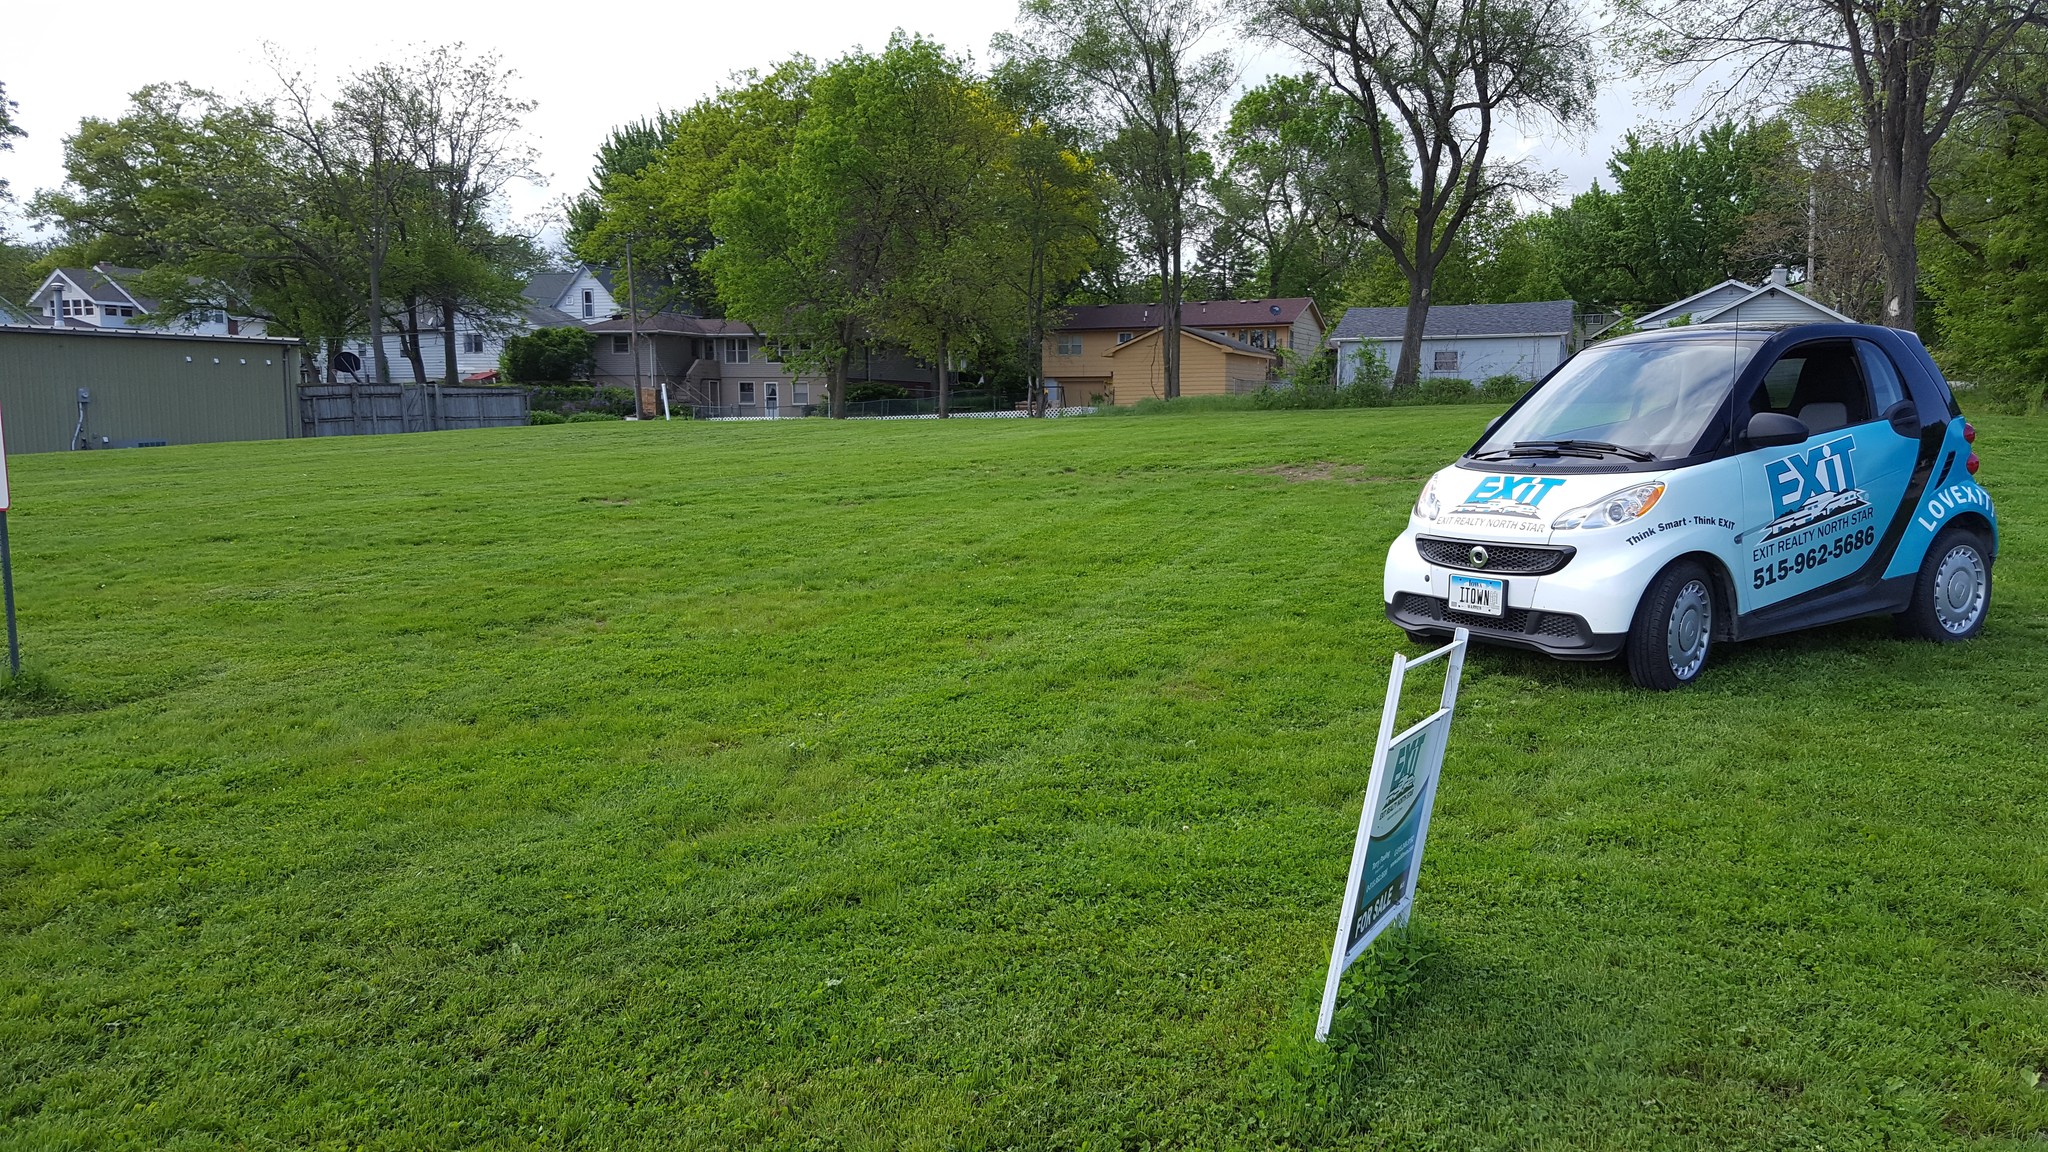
(1661, 493)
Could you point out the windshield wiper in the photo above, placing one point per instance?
(1578, 448)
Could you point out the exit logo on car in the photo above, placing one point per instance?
(1508, 495)
(1808, 488)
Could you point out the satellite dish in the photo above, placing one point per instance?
(347, 362)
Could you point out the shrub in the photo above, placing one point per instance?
(592, 417)
(549, 354)
(1505, 388)
(543, 416)
(868, 390)
(1447, 390)
(571, 399)
(616, 401)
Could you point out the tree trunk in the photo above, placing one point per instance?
(1169, 333)
(409, 341)
(382, 365)
(451, 371)
(945, 392)
(1408, 369)
(836, 384)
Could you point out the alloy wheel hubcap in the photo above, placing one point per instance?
(1685, 636)
(1959, 589)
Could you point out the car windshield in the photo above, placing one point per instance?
(1635, 400)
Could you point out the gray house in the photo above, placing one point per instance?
(1466, 341)
(1731, 301)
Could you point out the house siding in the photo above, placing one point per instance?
(1719, 298)
(1478, 357)
(1774, 308)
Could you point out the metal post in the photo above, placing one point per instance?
(633, 322)
(7, 582)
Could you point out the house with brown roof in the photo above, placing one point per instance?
(712, 366)
(1113, 353)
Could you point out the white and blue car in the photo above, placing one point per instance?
(1661, 493)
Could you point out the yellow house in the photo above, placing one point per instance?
(1111, 353)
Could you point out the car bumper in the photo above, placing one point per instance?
(1582, 611)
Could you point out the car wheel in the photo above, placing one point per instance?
(1952, 594)
(1674, 629)
(1423, 638)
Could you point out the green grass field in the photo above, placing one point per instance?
(979, 784)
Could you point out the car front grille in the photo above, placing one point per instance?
(1519, 621)
(1501, 559)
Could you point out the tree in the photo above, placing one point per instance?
(1987, 255)
(1913, 66)
(1446, 74)
(1049, 215)
(1288, 145)
(549, 355)
(1148, 91)
(1683, 215)
(630, 150)
(664, 207)
(8, 131)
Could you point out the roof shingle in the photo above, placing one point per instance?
(1547, 318)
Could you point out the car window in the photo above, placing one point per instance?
(1821, 384)
(1885, 386)
(1660, 396)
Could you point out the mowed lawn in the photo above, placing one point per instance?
(977, 784)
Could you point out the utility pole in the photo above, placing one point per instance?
(633, 320)
(1812, 230)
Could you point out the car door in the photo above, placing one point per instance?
(1813, 512)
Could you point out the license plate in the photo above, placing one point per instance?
(1478, 595)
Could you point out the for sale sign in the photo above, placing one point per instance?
(1394, 823)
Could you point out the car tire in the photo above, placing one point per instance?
(1673, 633)
(1423, 638)
(1952, 593)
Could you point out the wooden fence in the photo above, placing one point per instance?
(371, 409)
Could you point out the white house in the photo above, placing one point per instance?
(581, 295)
(1731, 301)
(1465, 341)
(104, 296)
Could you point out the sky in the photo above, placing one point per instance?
(625, 60)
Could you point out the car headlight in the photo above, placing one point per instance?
(1426, 505)
(1615, 508)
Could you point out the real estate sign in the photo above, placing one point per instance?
(1394, 823)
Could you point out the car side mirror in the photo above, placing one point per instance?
(1904, 417)
(1775, 430)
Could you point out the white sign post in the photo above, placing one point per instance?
(1394, 823)
(7, 564)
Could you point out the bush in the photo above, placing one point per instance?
(1505, 388)
(543, 416)
(592, 417)
(868, 390)
(1447, 390)
(570, 399)
(549, 354)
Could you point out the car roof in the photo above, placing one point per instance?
(1752, 327)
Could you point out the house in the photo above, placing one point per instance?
(583, 293)
(105, 296)
(1465, 341)
(1112, 352)
(713, 366)
(1731, 301)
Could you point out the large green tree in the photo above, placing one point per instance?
(1449, 77)
(1912, 66)
(1149, 84)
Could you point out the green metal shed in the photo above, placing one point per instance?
(143, 388)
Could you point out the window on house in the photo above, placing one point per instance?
(1067, 344)
(472, 342)
(736, 350)
(1123, 337)
(746, 393)
(803, 394)
(1444, 360)
(89, 310)
(622, 344)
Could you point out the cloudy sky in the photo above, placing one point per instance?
(589, 68)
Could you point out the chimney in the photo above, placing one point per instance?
(1780, 277)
